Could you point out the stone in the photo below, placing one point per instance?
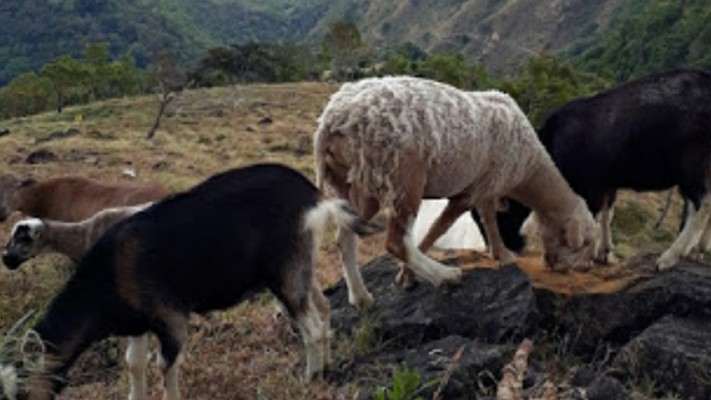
(491, 306)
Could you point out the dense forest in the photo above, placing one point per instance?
(63, 52)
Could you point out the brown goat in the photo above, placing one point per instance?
(70, 198)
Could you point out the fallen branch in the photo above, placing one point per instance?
(511, 385)
(453, 362)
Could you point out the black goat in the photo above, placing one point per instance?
(205, 249)
(649, 134)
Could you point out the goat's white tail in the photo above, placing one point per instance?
(317, 218)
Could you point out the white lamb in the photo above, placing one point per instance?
(390, 142)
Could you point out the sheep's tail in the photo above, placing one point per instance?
(344, 216)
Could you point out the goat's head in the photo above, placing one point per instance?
(24, 243)
(572, 243)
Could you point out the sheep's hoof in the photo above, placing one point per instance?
(455, 276)
(666, 261)
(405, 279)
(606, 257)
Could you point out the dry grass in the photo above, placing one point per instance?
(244, 353)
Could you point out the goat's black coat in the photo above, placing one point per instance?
(201, 250)
(650, 134)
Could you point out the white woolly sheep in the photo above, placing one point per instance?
(390, 142)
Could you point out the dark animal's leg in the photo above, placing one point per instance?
(137, 362)
(689, 236)
(487, 210)
(605, 246)
(172, 332)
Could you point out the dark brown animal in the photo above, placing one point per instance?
(70, 198)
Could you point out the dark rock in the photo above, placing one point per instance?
(41, 156)
(4, 132)
(265, 121)
(606, 388)
(674, 353)
(491, 306)
(478, 367)
(58, 135)
(592, 321)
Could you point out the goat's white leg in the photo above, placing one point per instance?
(137, 362)
(487, 210)
(689, 237)
(324, 309)
(313, 334)
(604, 247)
(171, 378)
(358, 295)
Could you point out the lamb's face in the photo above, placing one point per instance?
(573, 246)
(24, 243)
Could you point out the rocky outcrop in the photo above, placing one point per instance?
(461, 336)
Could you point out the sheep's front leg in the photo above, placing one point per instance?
(137, 362)
(487, 210)
(689, 237)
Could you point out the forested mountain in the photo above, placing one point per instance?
(621, 38)
(33, 32)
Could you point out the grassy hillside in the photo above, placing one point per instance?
(245, 353)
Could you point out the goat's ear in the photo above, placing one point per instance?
(573, 234)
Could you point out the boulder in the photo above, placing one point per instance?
(593, 321)
(490, 306)
(674, 353)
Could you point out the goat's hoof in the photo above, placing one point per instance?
(452, 276)
(405, 279)
(362, 301)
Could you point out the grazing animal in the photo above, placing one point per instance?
(390, 142)
(649, 134)
(205, 249)
(70, 198)
(31, 237)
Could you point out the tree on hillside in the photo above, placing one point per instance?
(544, 83)
(343, 46)
(168, 78)
(26, 94)
(67, 74)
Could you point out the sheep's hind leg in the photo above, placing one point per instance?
(689, 237)
(487, 210)
(137, 362)
(402, 245)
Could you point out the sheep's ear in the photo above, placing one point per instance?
(573, 234)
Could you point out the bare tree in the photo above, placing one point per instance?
(170, 80)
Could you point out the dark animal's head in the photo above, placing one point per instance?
(25, 242)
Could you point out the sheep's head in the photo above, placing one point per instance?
(25, 242)
(572, 244)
